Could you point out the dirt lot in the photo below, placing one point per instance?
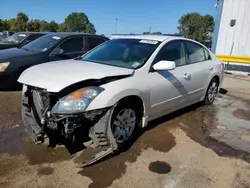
(201, 146)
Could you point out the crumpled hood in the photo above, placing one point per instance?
(57, 75)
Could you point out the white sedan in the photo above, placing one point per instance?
(117, 88)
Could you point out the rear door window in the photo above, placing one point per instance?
(95, 41)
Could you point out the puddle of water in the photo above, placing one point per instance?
(45, 171)
(224, 150)
(242, 114)
(200, 123)
(112, 168)
(159, 167)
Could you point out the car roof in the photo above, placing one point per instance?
(67, 34)
(31, 32)
(146, 37)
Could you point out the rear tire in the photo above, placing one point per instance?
(125, 124)
(211, 92)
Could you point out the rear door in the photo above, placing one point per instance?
(200, 68)
(94, 41)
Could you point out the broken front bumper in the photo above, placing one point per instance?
(98, 124)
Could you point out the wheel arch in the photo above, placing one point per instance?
(217, 78)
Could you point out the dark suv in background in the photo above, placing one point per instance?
(19, 39)
(50, 47)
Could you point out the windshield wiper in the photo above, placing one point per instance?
(77, 58)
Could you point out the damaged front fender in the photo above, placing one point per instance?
(103, 138)
(96, 122)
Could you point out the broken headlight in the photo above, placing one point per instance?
(77, 101)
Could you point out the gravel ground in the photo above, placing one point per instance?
(200, 146)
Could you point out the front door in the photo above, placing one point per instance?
(168, 89)
(71, 48)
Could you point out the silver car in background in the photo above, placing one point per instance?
(117, 88)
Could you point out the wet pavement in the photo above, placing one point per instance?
(189, 148)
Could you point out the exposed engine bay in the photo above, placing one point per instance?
(40, 122)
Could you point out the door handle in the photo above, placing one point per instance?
(187, 76)
(210, 67)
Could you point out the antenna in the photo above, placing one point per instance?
(115, 25)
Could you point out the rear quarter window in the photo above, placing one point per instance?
(95, 41)
(195, 52)
(207, 54)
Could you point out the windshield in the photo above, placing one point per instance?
(16, 38)
(42, 44)
(127, 53)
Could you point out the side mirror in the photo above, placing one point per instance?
(164, 65)
(58, 52)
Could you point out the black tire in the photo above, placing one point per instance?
(138, 119)
(213, 87)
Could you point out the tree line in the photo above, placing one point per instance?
(194, 26)
(74, 22)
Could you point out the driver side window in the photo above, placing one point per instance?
(173, 51)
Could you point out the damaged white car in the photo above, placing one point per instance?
(117, 88)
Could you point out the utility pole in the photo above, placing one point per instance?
(149, 29)
(115, 25)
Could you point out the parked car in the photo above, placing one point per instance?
(116, 88)
(2, 37)
(5, 34)
(51, 47)
(20, 39)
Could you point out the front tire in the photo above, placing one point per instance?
(211, 92)
(125, 123)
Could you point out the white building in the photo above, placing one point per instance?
(232, 30)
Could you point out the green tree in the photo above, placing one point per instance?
(61, 27)
(12, 24)
(156, 33)
(5, 25)
(21, 21)
(196, 26)
(79, 22)
(44, 26)
(33, 25)
(1, 25)
(90, 28)
(52, 26)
